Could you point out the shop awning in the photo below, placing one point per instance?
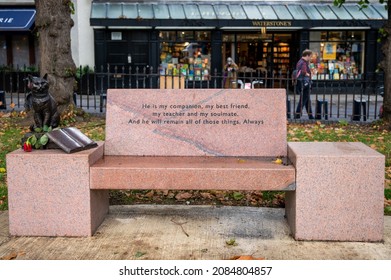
(16, 19)
(106, 13)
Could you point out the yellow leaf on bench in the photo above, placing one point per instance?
(278, 161)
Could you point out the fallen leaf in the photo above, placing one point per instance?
(237, 196)
(150, 194)
(11, 256)
(231, 242)
(278, 161)
(183, 196)
(206, 195)
(139, 254)
(245, 258)
(12, 105)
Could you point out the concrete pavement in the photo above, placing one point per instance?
(187, 232)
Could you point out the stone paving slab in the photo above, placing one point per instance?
(166, 232)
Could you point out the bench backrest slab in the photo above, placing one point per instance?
(196, 122)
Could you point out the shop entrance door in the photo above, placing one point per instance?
(138, 58)
(128, 59)
(270, 55)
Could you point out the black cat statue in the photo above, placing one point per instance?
(43, 104)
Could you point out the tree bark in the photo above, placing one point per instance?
(387, 69)
(54, 23)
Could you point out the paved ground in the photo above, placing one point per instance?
(189, 232)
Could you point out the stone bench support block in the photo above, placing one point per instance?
(339, 192)
(49, 193)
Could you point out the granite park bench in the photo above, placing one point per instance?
(211, 139)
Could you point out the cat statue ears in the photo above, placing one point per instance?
(30, 77)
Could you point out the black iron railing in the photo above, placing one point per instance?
(352, 99)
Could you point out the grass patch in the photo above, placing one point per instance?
(3, 197)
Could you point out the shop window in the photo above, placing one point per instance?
(229, 38)
(20, 50)
(185, 57)
(186, 35)
(3, 51)
(337, 55)
(202, 35)
(116, 36)
(167, 35)
(268, 53)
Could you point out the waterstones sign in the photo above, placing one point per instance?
(272, 23)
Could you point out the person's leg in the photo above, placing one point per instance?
(305, 99)
(299, 108)
(307, 102)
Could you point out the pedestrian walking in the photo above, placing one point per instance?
(303, 85)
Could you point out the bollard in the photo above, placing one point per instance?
(322, 104)
(357, 104)
(288, 108)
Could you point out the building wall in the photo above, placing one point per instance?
(82, 34)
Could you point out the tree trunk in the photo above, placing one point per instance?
(387, 70)
(54, 23)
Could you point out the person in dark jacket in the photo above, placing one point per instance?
(303, 85)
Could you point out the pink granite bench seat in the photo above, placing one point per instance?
(201, 173)
(192, 139)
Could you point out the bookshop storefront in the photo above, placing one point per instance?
(196, 39)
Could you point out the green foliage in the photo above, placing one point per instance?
(83, 70)
(139, 254)
(3, 197)
(8, 133)
(343, 122)
(39, 139)
(43, 140)
(339, 3)
(237, 196)
(363, 4)
(69, 72)
(71, 7)
(231, 242)
(268, 196)
(382, 35)
(387, 193)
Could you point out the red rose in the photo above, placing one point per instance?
(27, 146)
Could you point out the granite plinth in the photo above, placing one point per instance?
(193, 122)
(339, 192)
(49, 193)
(194, 173)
